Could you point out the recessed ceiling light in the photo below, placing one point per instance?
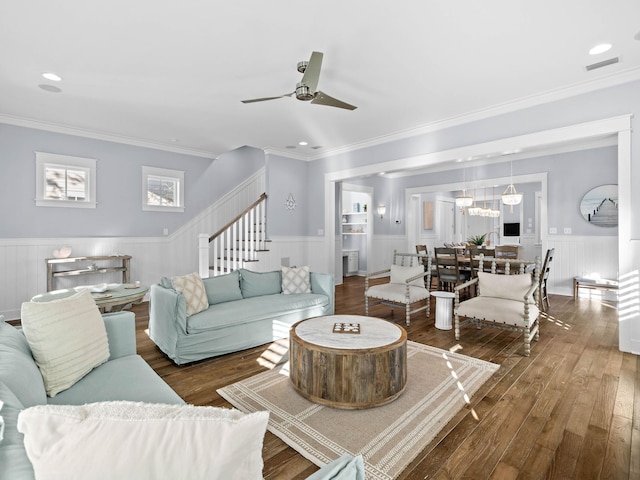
(303, 143)
(598, 49)
(52, 76)
(49, 88)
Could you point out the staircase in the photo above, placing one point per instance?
(235, 244)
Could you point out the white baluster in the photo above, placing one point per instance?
(203, 255)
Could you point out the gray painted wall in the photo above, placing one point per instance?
(570, 176)
(119, 186)
(619, 100)
(287, 176)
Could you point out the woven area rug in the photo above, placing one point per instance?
(389, 437)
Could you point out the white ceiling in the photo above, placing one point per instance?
(156, 72)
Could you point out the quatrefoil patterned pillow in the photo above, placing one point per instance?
(192, 287)
(296, 280)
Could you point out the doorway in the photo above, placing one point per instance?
(355, 229)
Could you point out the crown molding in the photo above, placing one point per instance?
(79, 132)
(606, 141)
(286, 154)
(612, 80)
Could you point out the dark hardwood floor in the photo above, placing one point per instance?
(569, 411)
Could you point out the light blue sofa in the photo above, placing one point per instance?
(125, 376)
(246, 309)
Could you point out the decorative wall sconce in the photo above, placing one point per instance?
(382, 210)
(290, 203)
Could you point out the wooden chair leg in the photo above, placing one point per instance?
(407, 314)
(527, 343)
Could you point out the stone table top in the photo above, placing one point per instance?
(374, 332)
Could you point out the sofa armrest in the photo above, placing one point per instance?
(167, 318)
(322, 283)
(121, 333)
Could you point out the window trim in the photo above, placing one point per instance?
(43, 159)
(177, 175)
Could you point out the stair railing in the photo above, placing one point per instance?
(236, 243)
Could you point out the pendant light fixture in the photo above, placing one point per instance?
(510, 196)
(475, 210)
(464, 200)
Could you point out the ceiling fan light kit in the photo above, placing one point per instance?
(306, 88)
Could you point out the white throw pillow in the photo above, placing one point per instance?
(399, 274)
(67, 338)
(510, 287)
(296, 280)
(112, 440)
(192, 287)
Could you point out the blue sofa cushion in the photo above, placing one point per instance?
(255, 284)
(18, 370)
(14, 462)
(252, 310)
(124, 378)
(10, 336)
(224, 288)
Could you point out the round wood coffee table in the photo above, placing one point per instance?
(348, 370)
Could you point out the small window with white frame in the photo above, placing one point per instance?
(162, 190)
(65, 181)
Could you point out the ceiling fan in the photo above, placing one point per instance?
(306, 89)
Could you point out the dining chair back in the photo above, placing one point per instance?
(448, 268)
(544, 275)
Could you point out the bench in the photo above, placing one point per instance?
(594, 284)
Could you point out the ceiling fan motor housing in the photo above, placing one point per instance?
(303, 92)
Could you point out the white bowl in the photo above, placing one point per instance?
(62, 252)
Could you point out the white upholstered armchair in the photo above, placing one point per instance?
(410, 274)
(507, 302)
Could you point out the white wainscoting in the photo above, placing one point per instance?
(23, 272)
(383, 247)
(293, 251)
(580, 255)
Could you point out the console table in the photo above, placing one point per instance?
(348, 370)
(122, 264)
(115, 298)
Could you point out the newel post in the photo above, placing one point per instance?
(203, 255)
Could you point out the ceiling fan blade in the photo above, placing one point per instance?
(312, 73)
(322, 98)
(264, 99)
